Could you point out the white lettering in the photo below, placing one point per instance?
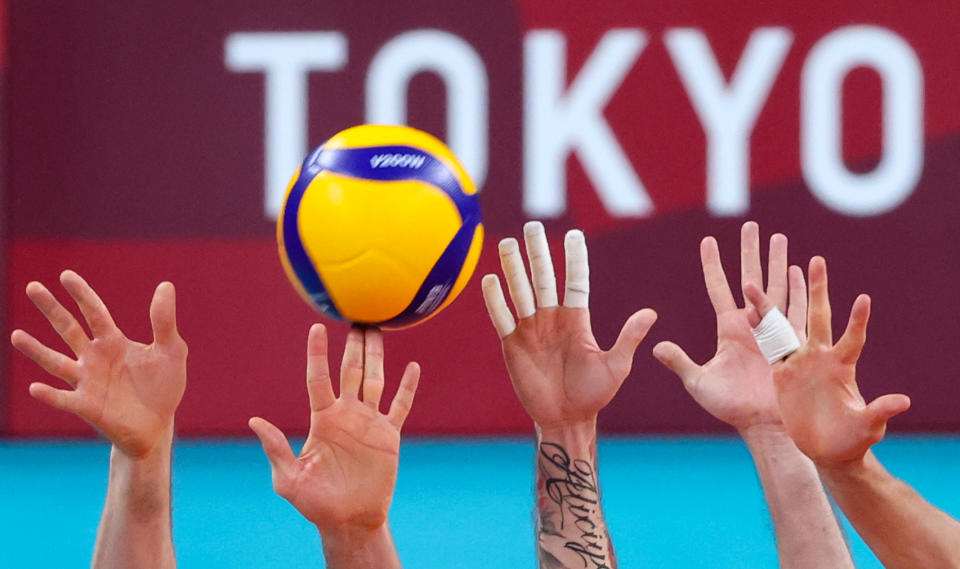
(561, 119)
(285, 58)
(557, 123)
(463, 73)
(414, 161)
(896, 176)
(728, 112)
(434, 298)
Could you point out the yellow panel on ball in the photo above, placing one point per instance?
(390, 250)
(357, 286)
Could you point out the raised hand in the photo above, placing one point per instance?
(816, 386)
(830, 422)
(736, 385)
(559, 372)
(563, 379)
(346, 472)
(127, 390)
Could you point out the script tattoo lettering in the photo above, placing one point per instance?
(571, 484)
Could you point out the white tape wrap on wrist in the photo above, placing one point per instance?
(775, 336)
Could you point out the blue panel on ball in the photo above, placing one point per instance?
(438, 284)
(394, 163)
(296, 254)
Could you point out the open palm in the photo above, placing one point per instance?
(127, 390)
(816, 386)
(347, 469)
(736, 385)
(557, 369)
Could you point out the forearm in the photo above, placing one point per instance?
(360, 548)
(135, 527)
(903, 530)
(571, 532)
(808, 535)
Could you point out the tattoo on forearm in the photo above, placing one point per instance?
(570, 520)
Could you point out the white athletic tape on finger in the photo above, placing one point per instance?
(577, 293)
(497, 306)
(541, 265)
(517, 282)
(775, 336)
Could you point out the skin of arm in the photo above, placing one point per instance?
(344, 478)
(830, 421)
(572, 532)
(563, 379)
(736, 386)
(129, 392)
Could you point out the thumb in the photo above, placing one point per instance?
(275, 446)
(63, 399)
(620, 357)
(885, 407)
(163, 314)
(676, 360)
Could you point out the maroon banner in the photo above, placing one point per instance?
(149, 143)
(4, 22)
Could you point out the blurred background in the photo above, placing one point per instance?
(146, 141)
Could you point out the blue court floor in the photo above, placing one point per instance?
(671, 502)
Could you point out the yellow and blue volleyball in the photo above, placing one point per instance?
(381, 225)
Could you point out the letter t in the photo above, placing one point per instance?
(285, 58)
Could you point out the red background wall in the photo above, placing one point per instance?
(134, 155)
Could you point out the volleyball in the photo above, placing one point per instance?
(380, 225)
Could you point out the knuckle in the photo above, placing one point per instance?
(61, 368)
(282, 486)
(111, 336)
(179, 346)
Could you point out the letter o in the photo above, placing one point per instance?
(463, 73)
(901, 163)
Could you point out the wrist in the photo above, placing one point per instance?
(761, 435)
(850, 471)
(772, 448)
(783, 468)
(142, 484)
(574, 434)
(354, 541)
(152, 451)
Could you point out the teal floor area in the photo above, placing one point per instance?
(670, 502)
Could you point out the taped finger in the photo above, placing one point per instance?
(497, 306)
(577, 290)
(541, 264)
(775, 336)
(517, 282)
